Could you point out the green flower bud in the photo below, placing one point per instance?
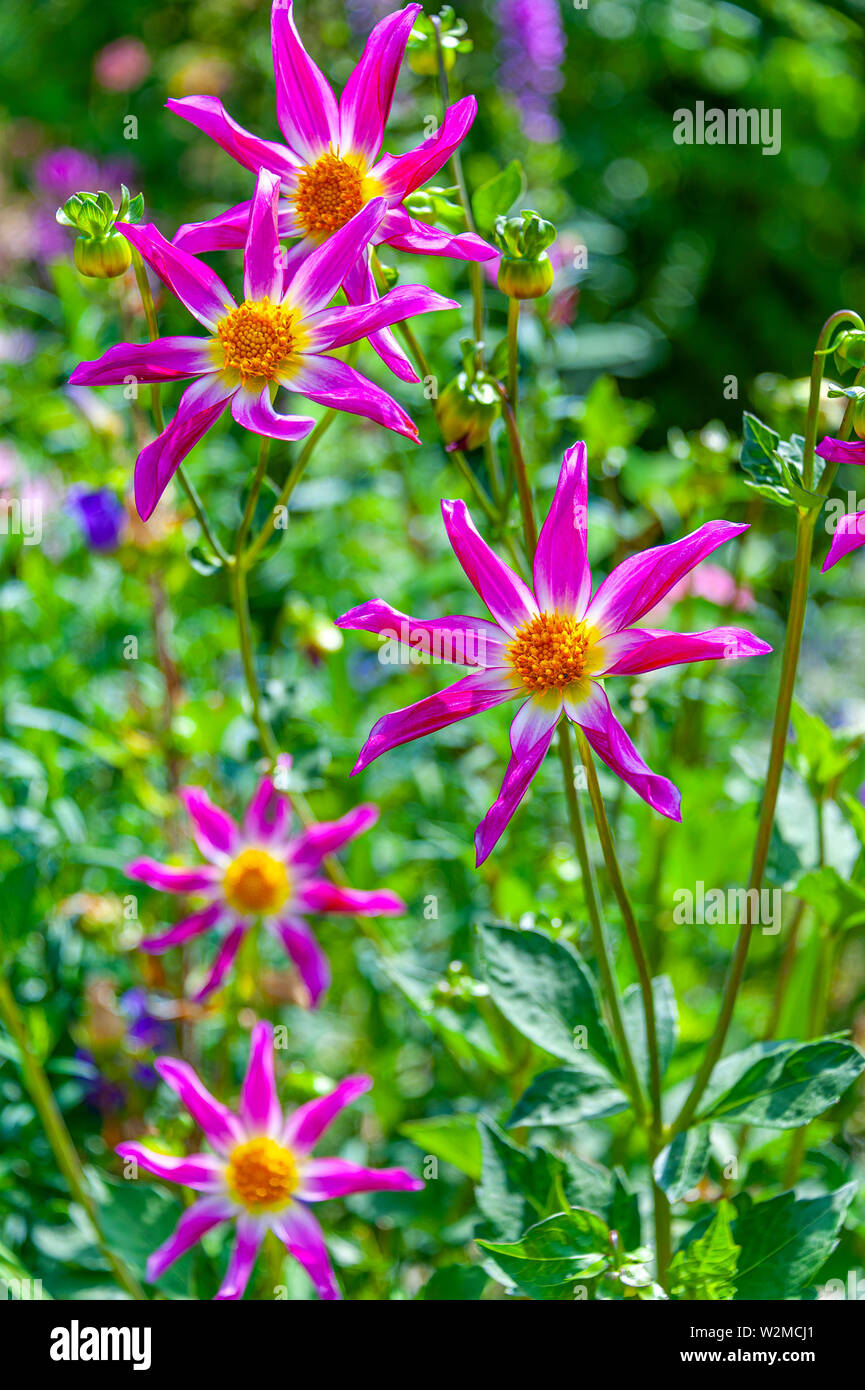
(423, 46)
(100, 250)
(469, 405)
(859, 418)
(103, 258)
(525, 270)
(850, 349)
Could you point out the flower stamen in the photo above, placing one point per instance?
(549, 651)
(256, 338)
(262, 1174)
(256, 883)
(329, 193)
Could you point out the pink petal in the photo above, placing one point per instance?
(307, 1124)
(269, 812)
(509, 598)
(250, 1234)
(517, 781)
(213, 830)
(335, 384)
(252, 408)
(201, 1172)
(336, 1177)
(305, 105)
(477, 691)
(326, 837)
(334, 328)
(366, 100)
(172, 879)
(195, 1222)
(262, 259)
(534, 719)
(221, 1128)
(402, 174)
(224, 961)
(318, 895)
(184, 931)
(612, 744)
(228, 230)
(360, 288)
(200, 406)
(165, 359)
(561, 574)
(193, 282)
(405, 233)
(849, 535)
(320, 274)
(308, 957)
(464, 641)
(211, 117)
(842, 450)
(260, 1109)
(657, 649)
(301, 1235)
(642, 580)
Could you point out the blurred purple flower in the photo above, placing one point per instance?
(56, 176)
(531, 52)
(99, 513)
(122, 65)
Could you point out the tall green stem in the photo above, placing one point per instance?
(513, 352)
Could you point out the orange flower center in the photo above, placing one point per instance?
(549, 651)
(255, 882)
(262, 1174)
(256, 337)
(329, 192)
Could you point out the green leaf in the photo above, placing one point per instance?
(498, 195)
(705, 1270)
(774, 465)
(835, 901)
(517, 1185)
(666, 1024)
(455, 1284)
(562, 1250)
(785, 1241)
(623, 1214)
(204, 560)
(544, 989)
(681, 1165)
(567, 1096)
(781, 1085)
(452, 1138)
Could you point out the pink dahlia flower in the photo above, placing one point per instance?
(261, 1173)
(259, 873)
(850, 531)
(551, 646)
(279, 335)
(331, 164)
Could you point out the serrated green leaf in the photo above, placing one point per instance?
(452, 1138)
(785, 1241)
(705, 1270)
(567, 1096)
(562, 1250)
(681, 1165)
(497, 196)
(781, 1085)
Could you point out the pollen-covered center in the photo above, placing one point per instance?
(262, 1174)
(549, 651)
(329, 192)
(256, 337)
(255, 882)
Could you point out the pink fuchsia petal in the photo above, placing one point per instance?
(262, 257)
(561, 574)
(260, 1109)
(360, 288)
(849, 535)
(201, 1172)
(326, 837)
(301, 1235)
(190, 927)
(842, 450)
(477, 691)
(534, 719)
(269, 812)
(509, 598)
(165, 359)
(307, 956)
(221, 1128)
(200, 406)
(405, 233)
(518, 779)
(305, 105)
(250, 1234)
(213, 830)
(320, 274)
(224, 961)
(334, 328)
(463, 641)
(170, 878)
(211, 117)
(658, 649)
(305, 1126)
(402, 174)
(330, 382)
(336, 1177)
(318, 895)
(196, 286)
(642, 580)
(228, 230)
(252, 408)
(611, 743)
(366, 100)
(195, 1222)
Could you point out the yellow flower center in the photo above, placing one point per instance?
(329, 192)
(262, 1174)
(256, 337)
(255, 882)
(549, 651)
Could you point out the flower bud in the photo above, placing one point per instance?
(859, 418)
(469, 405)
(100, 250)
(850, 349)
(103, 258)
(423, 44)
(525, 269)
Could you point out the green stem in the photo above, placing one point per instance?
(513, 354)
(58, 1135)
(240, 599)
(817, 368)
(530, 529)
(291, 482)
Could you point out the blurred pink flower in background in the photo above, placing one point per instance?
(712, 583)
(531, 51)
(122, 65)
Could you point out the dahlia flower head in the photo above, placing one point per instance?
(849, 534)
(260, 874)
(552, 646)
(260, 1173)
(332, 165)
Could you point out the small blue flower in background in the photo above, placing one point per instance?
(99, 513)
